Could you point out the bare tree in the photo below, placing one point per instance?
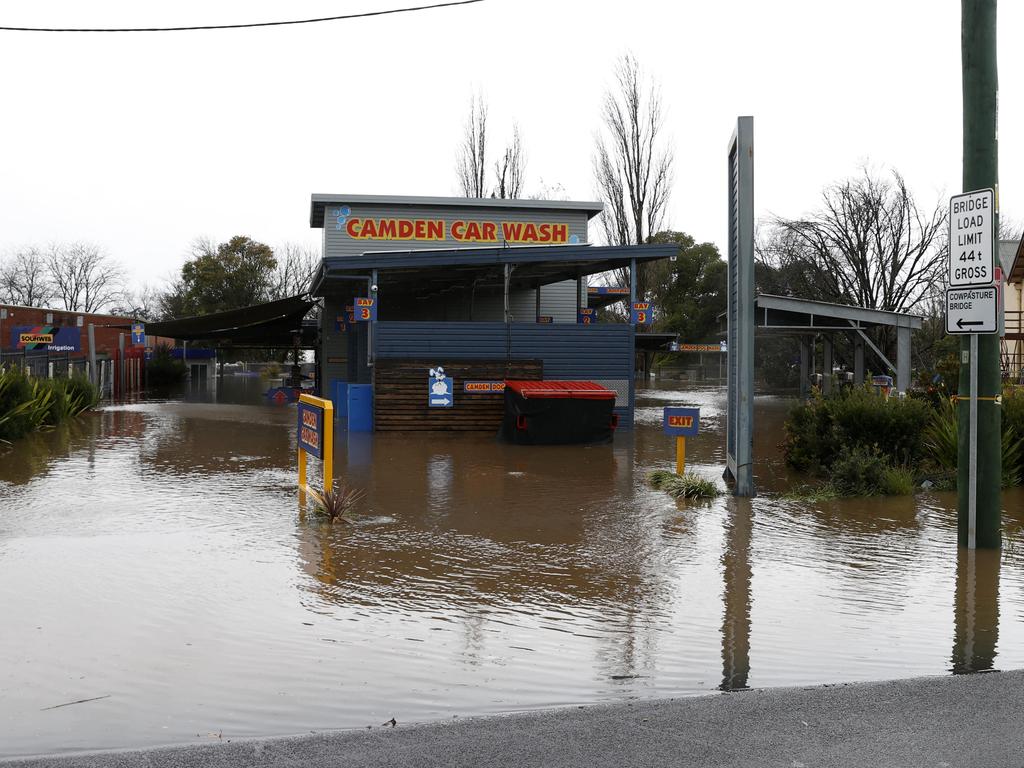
(511, 168)
(143, 303)
(296, 265)
(870, 244)
(24, 279)
(472, 155)
(633, 161)
(85, 279)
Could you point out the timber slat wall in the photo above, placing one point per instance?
(401, 388)
(601, 352)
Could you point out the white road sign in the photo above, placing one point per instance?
(972, 310)
(970, 238)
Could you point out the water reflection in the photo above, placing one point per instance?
(154, 552)
(736, 595)
(976, 611)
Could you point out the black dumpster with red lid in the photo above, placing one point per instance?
(557, 412)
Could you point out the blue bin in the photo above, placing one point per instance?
(360, 408)
(339, 396)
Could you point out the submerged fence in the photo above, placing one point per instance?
(113, 376)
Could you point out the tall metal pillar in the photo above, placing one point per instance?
(536, 301)
(858, 361)
(980, 511)
(94, 375)
(827, 364)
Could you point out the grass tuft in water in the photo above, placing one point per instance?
(335, 503)
(687, 486)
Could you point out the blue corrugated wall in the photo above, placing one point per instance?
(602, 351)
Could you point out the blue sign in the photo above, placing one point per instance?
(605, 290)
(54, 338)
(586, 316)
(139, 334)
(365, 310)
(681, 422)
(440, 389)
(311, 429)
(642, 314)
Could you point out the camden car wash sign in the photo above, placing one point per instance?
(53, 338)
(451, 228)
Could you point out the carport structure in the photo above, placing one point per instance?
(807, 319)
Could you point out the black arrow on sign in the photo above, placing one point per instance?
(961, 323)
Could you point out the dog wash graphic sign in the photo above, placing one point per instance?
(53, 338)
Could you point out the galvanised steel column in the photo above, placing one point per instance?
(980, 171)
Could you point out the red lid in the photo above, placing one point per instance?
(586, 390)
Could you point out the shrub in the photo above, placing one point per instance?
(854, 418)
(335, 502)
(162, 369)
(858, 471)
(15, 402)
(942, 439)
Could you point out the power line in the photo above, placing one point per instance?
(246, 26)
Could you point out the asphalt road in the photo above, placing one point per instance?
(938, 722)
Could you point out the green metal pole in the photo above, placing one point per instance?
(981, 170)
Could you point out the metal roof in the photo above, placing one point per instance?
(320, 201)
(1015, 268)
(792, 315)
(427, 270)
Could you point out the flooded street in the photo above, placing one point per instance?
(153, 557)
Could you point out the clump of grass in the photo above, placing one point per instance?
(824, 492)
(686, 486)
(897, 481)
(336, 502)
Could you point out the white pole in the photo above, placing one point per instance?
(972, 485)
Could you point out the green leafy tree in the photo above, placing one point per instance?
(689, 293)
(222, 276)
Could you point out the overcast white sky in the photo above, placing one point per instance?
(141, 142)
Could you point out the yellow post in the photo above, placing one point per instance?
(328, 444)
(680, 454)
(327, 449)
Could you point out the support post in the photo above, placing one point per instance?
(508, 308)
(536, 302)
(980, 170)
(805, 368)
(902, 359)
(680, 455)
(827, 364)
(120, 366)
(93, 373)
(858, 361)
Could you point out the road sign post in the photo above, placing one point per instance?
(979, 470)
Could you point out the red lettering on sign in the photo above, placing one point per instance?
(388, 229)
(458, 230)
(559, 233)
(352, 227)
(404, 229)
(489, 232)
(683, 422)
(512, 231)
(364, 302)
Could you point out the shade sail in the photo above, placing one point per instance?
(274, 324)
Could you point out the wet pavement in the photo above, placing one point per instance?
(154, 558)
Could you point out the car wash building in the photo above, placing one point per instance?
(458, 295)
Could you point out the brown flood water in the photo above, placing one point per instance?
(154, 554)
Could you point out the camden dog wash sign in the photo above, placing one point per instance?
(460, 231)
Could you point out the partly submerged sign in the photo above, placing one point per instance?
(681, 422)
(53, 338)
(311, 429)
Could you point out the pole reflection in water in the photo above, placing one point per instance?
(736, 596)
(976, 610)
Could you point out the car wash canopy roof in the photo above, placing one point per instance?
(437, 270)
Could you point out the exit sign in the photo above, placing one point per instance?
(681, 422)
